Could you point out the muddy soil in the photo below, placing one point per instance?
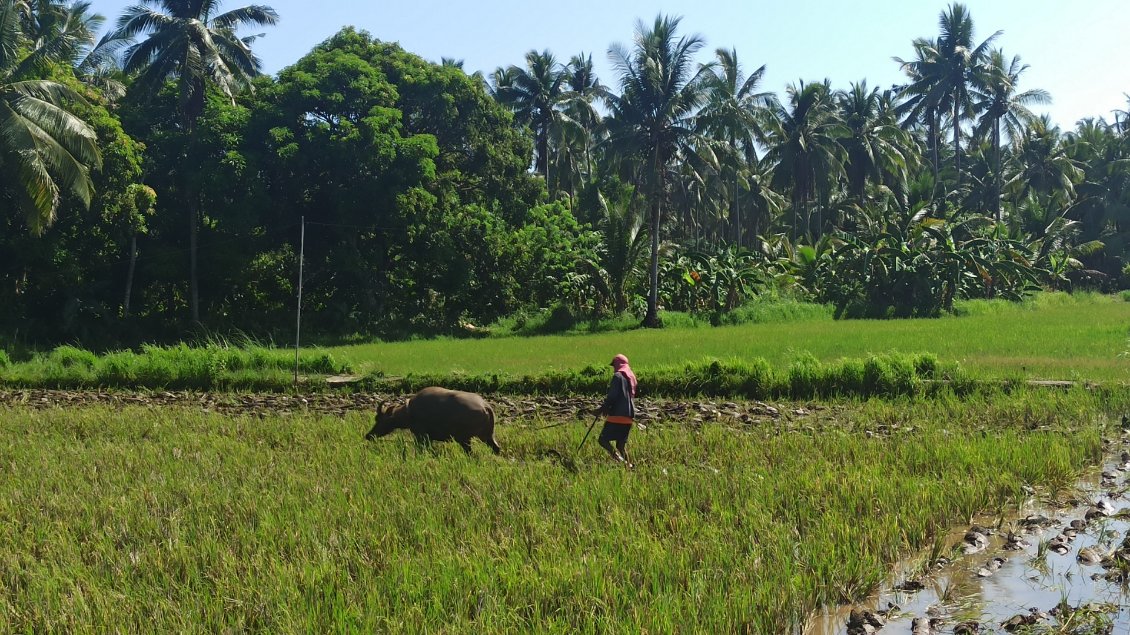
(340, 404)
(1011, 575)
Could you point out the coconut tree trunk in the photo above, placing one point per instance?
(998, 175)
(191, 113)
(193, 286)
(651, 320)
(934, 125)
(129, 273)
(736, 217)
(956, 146)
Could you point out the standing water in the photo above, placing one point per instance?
(999, 578)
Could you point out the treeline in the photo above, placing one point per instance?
(148, 194)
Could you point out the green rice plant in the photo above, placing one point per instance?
(886, 375)
(176, 520)
(1046, 338)
(761, 311)
(4, 359)
(69, 356)
(890, 374)
(804, 380)
(182, 366)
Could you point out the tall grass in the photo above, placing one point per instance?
(878, 375)
(175, 521)
(211, 366)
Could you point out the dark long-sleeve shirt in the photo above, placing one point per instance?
(618, 402)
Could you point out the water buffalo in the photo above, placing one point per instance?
(439, 414)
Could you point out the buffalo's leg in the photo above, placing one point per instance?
(466, 445)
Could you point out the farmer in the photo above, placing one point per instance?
(618, 410)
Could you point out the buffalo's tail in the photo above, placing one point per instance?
(488, 434)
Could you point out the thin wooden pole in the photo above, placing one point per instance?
(298, 319)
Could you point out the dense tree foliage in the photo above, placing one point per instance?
(433, 201)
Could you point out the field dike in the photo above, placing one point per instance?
(1057, 563)
(543, 408)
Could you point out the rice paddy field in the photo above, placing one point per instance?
(1053, 336)
(177, 519)
(174, 520)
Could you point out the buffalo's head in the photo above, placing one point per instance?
(385, 423)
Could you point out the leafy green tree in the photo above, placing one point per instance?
(45, 148)
(67, 283)
(398, 165)
(999, 100)
(542, 257)
(139, 204)
(192, 43)
(651, 121)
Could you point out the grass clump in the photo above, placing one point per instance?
(180, 521)
(212, 366)
(890, 374)
(765, 311)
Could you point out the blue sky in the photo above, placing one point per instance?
(1078, 51)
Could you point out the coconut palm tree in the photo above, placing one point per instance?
(942, 75)
(71, 28)
(70, 25)
(804, 145)
(733, 115)
(651, 121)
(501, 82)
(535, 94)
(1103, 205)
(961, 60)
(44, 148)
(621, 249)
(876, 148)
(193, 44)
(1122, 117)
(1046, 168)
(919, 103)
(1000, 101)
(573, 156)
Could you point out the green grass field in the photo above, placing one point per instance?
(1055, 336)
(149, 520)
